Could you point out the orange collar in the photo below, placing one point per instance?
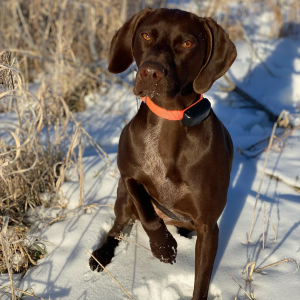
(173, 115)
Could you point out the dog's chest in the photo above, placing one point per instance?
(160, 168)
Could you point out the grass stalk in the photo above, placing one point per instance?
(250, 297)
(109, 273)
(263, 170)
(5, 250)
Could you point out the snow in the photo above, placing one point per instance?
(64, 272)
(288, 168)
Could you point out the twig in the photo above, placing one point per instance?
(252, 265)
(108, 273)
(282, 137)
(263, 171)
(251, 298)
(91, 35)
(31, 295)
(3, 242)
(275, 236)
(253, 49)
(26, 293)
(25, 26)
(81, 173)
(264, 223)
(277, 263)
(250, 99)
(102, 154)
(78, 209)
(121, 237)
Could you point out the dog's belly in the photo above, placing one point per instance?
(165, 194)
(163, 216)
(168, 215)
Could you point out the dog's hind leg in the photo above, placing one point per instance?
(124, 211)
(183, 232)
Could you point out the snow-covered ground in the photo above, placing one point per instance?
(65, 274)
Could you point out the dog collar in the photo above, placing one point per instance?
(190, 116)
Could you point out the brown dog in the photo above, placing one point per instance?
(172, 173)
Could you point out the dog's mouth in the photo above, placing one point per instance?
(149, 92)
(154, 91)
(153, 95)
(140, 94)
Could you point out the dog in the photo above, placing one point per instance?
(172, 171)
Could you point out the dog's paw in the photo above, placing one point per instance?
(104, 255)
(165, 249)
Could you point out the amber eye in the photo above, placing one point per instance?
(146, 36)
(187, 44)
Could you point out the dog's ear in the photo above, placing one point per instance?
(220, 54)
(120, 53)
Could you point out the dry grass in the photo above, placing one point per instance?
(251, 265)
(37, 153)
(275, 235)
(60, 43)
(26, 170)
(121, 237)
(77, 210)
(285, 13)
(52, 35)
(249, 296)
(283, 119)
(24, 293)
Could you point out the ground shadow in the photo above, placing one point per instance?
(269, 90)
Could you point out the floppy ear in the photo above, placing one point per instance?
(220, 55)
(120, 53)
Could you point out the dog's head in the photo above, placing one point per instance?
(178, 55)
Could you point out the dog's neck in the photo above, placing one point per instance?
(174, 115)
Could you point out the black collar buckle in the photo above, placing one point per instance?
(197, 113)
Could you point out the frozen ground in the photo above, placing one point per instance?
(64, 273)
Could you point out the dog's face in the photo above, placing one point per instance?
(171, 56)
(178, 55)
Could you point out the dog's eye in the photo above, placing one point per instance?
(146, 36)
(187, 44)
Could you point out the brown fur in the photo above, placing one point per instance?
(183, 170)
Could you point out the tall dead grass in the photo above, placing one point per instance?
(40, 141)
(285, 15)
(58, 43)
(62, 38)
(31, 161)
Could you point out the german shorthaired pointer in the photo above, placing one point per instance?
(175, 155)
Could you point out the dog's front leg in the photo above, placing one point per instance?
(162, 243)
(206, 250)
(124, 210)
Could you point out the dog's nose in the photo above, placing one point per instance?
(151, 72)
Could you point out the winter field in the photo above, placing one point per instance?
(78, 217)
